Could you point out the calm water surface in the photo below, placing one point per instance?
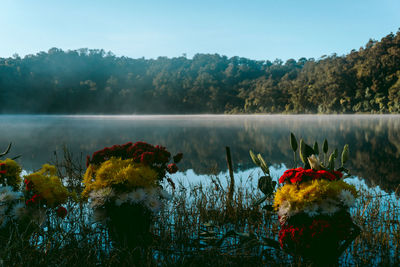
(374, 140)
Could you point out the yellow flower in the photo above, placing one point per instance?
(306, 194)
(47, 184)
(125, 173)
(12, 176)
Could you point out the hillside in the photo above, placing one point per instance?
(96, 82)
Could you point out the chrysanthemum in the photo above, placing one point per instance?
(99, 215)
(137, 195)
(347, 198)
(311, 210)
(99, 197)
(4, 189)
(153, 204)
(8, 196)
(121, 199)
(18, 211)
(165, 195)
(152, 192)
(329, 207)
(284, 209)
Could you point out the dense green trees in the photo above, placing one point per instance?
(93, 81)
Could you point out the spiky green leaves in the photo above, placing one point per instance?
(325, 146)
(254, 158)
(305, 152)
(259, 161)
(293, 142)
(345, 154)
(316, 148)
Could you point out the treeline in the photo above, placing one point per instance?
(93, 81)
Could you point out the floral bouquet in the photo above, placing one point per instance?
(12, 205)
(313, 206)
(123, 185)
(26, 210)
(45, 193)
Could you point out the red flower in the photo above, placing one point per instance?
(147, 158)
(326, 175)
(172, 168)
(289, 174)
(338, 174)
(61, 212)
(2, 168)
(28, 185)
(34, 200)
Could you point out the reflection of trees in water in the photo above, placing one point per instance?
(374, 141)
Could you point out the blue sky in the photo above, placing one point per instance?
(257, 29)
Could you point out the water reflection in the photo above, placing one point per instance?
(374, 140)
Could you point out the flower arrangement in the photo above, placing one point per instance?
(312, 203)
(44, 190)
(123, 185)
(10, 173)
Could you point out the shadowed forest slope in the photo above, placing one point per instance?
(92, 81)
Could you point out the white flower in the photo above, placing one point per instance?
(329, 207)
(284, 209)
(8, 196)
(165, 195)
(18, 211)
(347, 198)
(152, 192)
(5, 189)
(137, 195)
(314, 162)
(311, 210)
(99, 197)
(99, 215)
(153, 204)
(121, 199)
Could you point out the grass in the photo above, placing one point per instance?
(198, 228)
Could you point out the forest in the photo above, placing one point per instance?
(92, 81)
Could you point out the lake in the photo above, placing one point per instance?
(374, 140)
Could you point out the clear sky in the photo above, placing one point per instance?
(256, 29)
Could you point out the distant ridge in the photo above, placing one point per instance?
(86, 81)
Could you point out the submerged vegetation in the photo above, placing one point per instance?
(93, 81)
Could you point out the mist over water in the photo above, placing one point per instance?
(374, 140)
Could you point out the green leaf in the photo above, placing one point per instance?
(331, 165)
(265, 185)
(345, 154)
(336, 153)
(263, 164)
(293, 142)
(305, 152)
(254, 158)
(343, 169)
(259, 201)
(325, 146)
(268, 207)
(316, 148)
